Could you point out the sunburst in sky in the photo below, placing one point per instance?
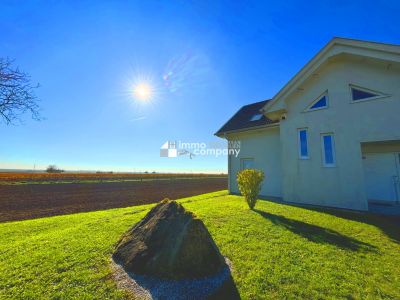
(140, 91)
(143, 91)
(143, 86)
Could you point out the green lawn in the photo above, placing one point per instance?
(278, 251)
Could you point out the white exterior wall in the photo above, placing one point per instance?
(265, 148)
(307, 181)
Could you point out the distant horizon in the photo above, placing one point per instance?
(106, 171)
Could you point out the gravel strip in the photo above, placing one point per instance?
(150, 288)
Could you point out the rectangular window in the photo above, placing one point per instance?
(303, 143)
(247, 163)
(328, 150)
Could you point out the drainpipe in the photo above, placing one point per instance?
(229, 166)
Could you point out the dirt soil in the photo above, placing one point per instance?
(29, 201)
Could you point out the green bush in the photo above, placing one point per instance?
(249, 182)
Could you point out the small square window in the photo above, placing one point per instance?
(256, 117)
(247, 163)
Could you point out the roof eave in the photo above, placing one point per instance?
(224, 133)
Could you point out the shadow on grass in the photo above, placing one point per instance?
(227, 291)
(317, 234)
(390, 225)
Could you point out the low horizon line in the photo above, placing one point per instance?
(16, 170)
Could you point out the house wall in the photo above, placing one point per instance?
(307, 181)
(265, 147)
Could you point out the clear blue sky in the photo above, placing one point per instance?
(223, 54)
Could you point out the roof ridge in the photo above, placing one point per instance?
(258, 102)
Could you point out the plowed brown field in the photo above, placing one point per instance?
(32, 200)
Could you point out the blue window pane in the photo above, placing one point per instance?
(303, 143)
(320, 103)
(359, 94)
(248, 164)
(328, 149)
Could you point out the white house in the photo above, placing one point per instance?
(331, 135)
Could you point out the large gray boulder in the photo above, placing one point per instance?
(170, 243)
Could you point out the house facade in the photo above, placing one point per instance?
(331, 135)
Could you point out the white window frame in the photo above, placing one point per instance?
(316, 100)
(299, 143)
(380, 96)
(328, 165)
(244, 159)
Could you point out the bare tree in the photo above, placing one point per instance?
(16, 93)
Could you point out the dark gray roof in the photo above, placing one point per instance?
(242, 119)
